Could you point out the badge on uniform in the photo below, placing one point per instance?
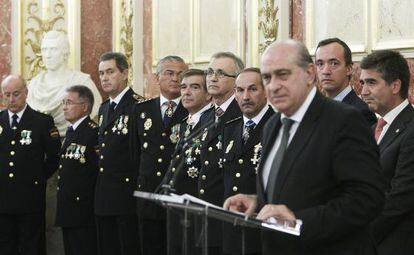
(100, 120)
(203, 138)
(256, 156)
(175, 133)
(229, 146)
(121, 125)
(1, 130)
(76, 151)
(192, 172)
(147, 123)
(26, 139)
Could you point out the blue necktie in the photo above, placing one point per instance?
(248, 127)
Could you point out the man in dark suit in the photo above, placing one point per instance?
(29, 148)
(221, 75)
(183, 172)
(77, 174)
(242, 151)
(116, 221)
(385, 79)
(319, 164)
(158, 122)
(333, 59)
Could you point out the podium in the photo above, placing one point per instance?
(191, 205)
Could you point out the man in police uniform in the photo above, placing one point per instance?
(77, 174)
(242, 151)
(117, 224)
(158, 123)
(221, 75)
(184, 168)
(29, 147)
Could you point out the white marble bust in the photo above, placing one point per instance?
(47, 89)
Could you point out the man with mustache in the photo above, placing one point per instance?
(385, 78)
(242, 151)
(158, 122)
(333, 59)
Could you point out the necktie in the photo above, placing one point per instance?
(190, 125)
(219, 112)
(378, 130)
(111, 110)
(274, 170)
(248, 127)
(69, 135)
(14, 121)
(168, 112)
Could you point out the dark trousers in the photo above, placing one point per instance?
(21, 234)
(117, 235)
(153, 235)
(80, 241)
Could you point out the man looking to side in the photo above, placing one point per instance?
(333, 59)
(385, 78)
(158, 122)
(29, 148)
(116, 220)
(78, 170)
(242, 152)
(320, 164)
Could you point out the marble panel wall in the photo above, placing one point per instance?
(5, 39)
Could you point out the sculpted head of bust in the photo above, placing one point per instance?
(55, 50)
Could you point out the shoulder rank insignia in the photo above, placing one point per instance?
(138, 98)
(92, 124)
(54, 133)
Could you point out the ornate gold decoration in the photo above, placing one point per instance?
(44, 25)
(269, 23)
(127, 34)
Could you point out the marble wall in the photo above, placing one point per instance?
(5, 37)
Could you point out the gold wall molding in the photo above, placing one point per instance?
(269, 23)
(31, 20)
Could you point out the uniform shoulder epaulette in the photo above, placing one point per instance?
(233, 120)
(138, 98)
(92, 124)
(144, 100)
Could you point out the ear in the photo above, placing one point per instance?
(311, 74)
(396, 87)
(349, 69)
(125, 74)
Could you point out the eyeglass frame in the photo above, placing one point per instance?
(70, 103)
(219, 73)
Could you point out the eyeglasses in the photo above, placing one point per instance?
(69, 102)
(219, 73)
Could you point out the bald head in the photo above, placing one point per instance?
(14, 91)
(288, 75)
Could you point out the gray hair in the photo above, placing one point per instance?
(169, 58)
(237, 61)
(84, 93)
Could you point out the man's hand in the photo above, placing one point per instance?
(241, 203)
(280, 212)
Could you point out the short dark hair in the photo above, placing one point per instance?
(347, 50)
(84, 94)
(304, 57)
(169, 58)
(253, 70)
(392, 65)
(237, 61)
(120, 59)
(195, 72)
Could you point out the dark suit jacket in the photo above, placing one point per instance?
(353, 99)
(210, 182)
(118, 160)
(330, 179)
(157, 144)
(25, 164)
(241, 162)
(78, 170)
(394, 228)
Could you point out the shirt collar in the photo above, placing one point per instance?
(118, 98)
(298, 115)
(226, 104)
(343, 94)
(391, 115)
(19, 114)
(256, 119)
(78, 122)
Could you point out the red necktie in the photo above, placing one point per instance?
(378, 130)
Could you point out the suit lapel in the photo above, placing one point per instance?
(298, 142)
(397, 127)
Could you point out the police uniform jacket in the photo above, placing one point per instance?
(210, 182)
(118, 159)
(157, 143)
(240, 164)
(78, 169)
(28, 156)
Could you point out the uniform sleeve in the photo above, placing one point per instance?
(51, 141)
